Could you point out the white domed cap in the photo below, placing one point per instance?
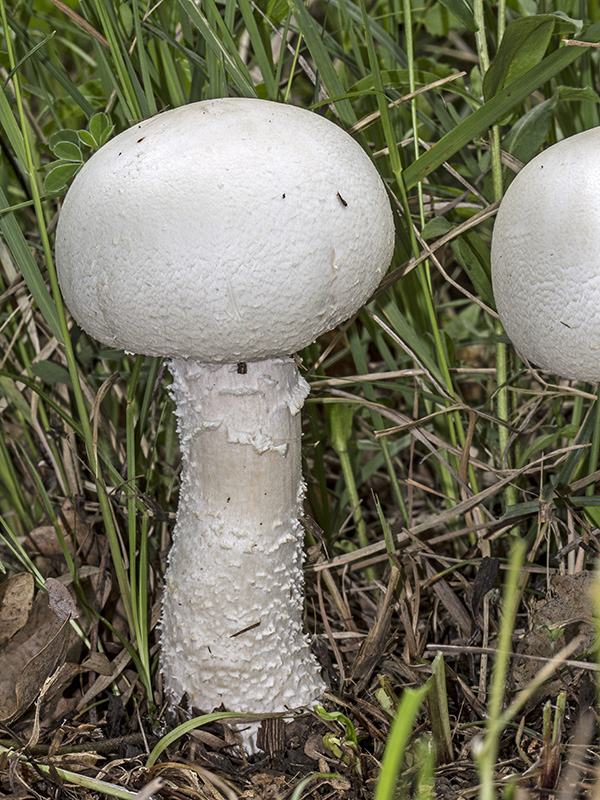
(546, 258)
(226, 230)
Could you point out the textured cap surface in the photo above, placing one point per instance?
(226, 230)
(546, 258)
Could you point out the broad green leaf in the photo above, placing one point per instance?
(529, 133)
(126, 18)
(60, 175)
(523, 46)
(98, 124)
(493, 110)
(67, 151)
(50, 372)
(474, 257)
(106, 134)
(65, 135)
(462, 11)
(86, 138)
(578, 94)
(438, 226)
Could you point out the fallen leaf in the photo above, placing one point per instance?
(75, 530)
(99, 663)
(60, 600)
(16, 598)
(30, 657)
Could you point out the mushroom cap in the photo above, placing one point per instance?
(546, 258)
(227, 230)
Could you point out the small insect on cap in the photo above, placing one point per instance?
(227, 230)
(546, 258)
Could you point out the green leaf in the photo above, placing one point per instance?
(126, 18)
(60, 175)
(50, 372)
(339, 422)
(190, 725)
(462, 11)
(474, 257)
(106, 134)
(86, 138)
(316, 776)
(67, 151)
(64, 135)
(337, 716)
(98, 124)
(263, 57)
(523, 46)
(577, 93)
(393, 756)
(28, 55)
(529, 133)
(438, 226)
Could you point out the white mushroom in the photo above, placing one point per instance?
(225, 235)
(546, 258)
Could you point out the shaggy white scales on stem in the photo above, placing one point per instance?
(233, 608)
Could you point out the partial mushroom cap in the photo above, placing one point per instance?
(226, 230)
(546, 258)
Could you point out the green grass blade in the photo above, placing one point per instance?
(225, 50)
(311, 34)
(21, 252)
(144, 62)
(191, 725)
(51, 66)
(265, 62)
(397, 742)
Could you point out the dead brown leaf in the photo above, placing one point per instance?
(16, 599)
(60, 600)
(30, 657)
(77, 534)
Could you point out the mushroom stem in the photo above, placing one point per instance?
(233, 609)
